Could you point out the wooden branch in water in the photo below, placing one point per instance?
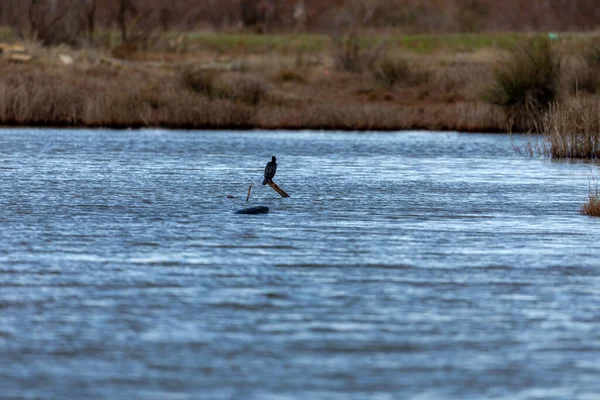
(279, 190)
(249, 190)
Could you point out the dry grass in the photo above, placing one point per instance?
(199, 81)
(350, 55)
(572, 128)
(237, 87)
(35, 96)
(592, 206)
(244, 88)
(584, 69)
(291, 75)
(394, 70)
(465, 117)
(272, 92)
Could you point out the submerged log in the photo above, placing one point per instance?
(254, 210)
(279, 190)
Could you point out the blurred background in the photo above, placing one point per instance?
(67, 21)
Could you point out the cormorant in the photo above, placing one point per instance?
(270, 170)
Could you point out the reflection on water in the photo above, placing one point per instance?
(410, 265)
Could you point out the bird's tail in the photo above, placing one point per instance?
(265, 181)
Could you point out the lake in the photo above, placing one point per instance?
(408, 265)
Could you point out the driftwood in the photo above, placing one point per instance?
(279, 190)
(249, 190)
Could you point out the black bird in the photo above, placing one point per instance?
(270, 170)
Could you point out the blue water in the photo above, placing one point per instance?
(404, 266)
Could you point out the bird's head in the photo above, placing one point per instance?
(273, 159)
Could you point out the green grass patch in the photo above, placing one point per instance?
(317, 43)
(312, 43)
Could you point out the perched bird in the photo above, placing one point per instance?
(270, 170)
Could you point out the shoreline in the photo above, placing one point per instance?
(341, 129)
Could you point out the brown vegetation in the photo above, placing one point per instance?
(572, 128)
(592, 206)
(527, 83)
(269, 92)
(108, 96)
(392, 71)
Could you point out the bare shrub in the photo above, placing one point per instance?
(584, 73)
(291, 75)
(348, 55)
(396, 70)
(200, 81)
(241, 88)
(346, 52)
(526, 84)
(214, 85)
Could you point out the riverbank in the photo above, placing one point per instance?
(262, 82)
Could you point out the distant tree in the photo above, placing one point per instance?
(91, 7)
(126, 10)
(259, 14)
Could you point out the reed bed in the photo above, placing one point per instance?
(572, 128)
(592, 206)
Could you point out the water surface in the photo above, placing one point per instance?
(404, 266)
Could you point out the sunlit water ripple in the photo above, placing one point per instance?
(404, 266)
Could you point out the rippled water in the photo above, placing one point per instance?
(404, 266)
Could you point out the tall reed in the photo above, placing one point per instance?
(592, 206)
(572, 128)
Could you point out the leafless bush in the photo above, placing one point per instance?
(348, 55)
(237, 87)
(199, 81)
(291, 75)
(391, 71)
(242, 88)
(585, 73)
(526, 83)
